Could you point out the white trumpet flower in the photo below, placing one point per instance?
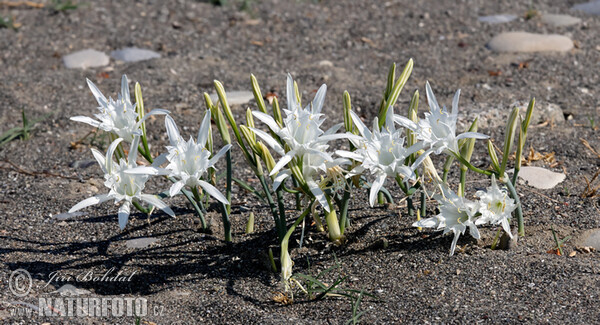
(188, 161)
(438, 129)
(495, 207)
(456, 214)
(301, 131)
(123, 185)
(382, 152)
(120, 116)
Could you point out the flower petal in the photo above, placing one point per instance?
(90, 201)
(97, 93)
(426, 223)
(281, 176)
(362, 128)
(475, 135)
(124, 214)
(176, 188)
(318, 193)
(156, 111)
(433, 104)
(161, 159)
(87, 120)
(125, 89)
(506, 227)
(172, 131)
(213, 192)
(454, 113)
(282, 162)
(204, 130)
(268, 120)
(405, 122)
(454, 240)
(317, 103)
(147, 170)
(269, 140)
(155, 201)
(216, 157)
(375, 187)
(110, 152)
(333, 129)
(291, 93)
(474, 231)
(349, 154)
(133, 151)
(100, 159)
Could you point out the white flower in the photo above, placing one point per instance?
(120, 116)
(313, 168)
(382, 153)
(123, 185)
(188, 161)
(495, 207)
(438, 129)
(301, 131)
(456, 214)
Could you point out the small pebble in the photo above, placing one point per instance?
(541, 178)
(140, 242)
(134, 54)
(85, 59)
(497, 19)
(528, 42)
(592, 7)
(560, 20)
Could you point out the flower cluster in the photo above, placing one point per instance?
(457, 213)
(396, 148)
(188, 161)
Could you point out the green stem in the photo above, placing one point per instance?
(333, 225)
(193, 202)
(409, 201)
(229, 180)
(344, 208)
(273, 207)
(423, 204)
(495, 242)
(446, 169)
(514, 178)
(463, 181)
(226, 222)
(284, 256)
(281, 206)
(297, 195)
(141, 208)
(471, 167)
(519, 210)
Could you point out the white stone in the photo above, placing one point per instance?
(528, 42)
(67, 215)
(235, 97)
(540, 177)
(70, 290)
(591, 238)
(560, 20)
(140, 242)
(497, 19)
(592, 7)
(326, 63)
(85, 59)
(134, 54)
